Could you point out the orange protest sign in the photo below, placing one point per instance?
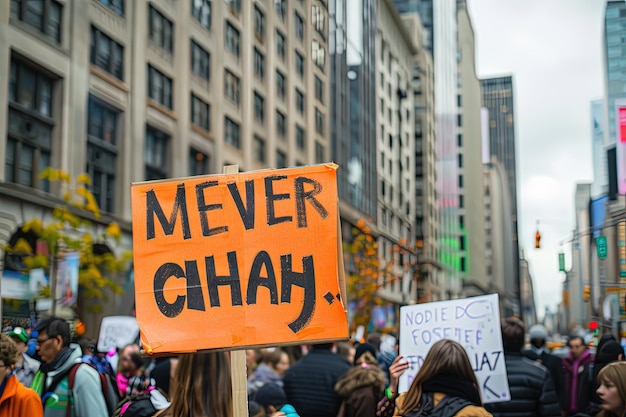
(237, 260)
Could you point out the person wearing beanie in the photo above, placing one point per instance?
(539, 352)
(25, 366)
(273, 400)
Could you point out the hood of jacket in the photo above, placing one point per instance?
(359, 376)
(75, 357)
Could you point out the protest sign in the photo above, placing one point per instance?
(237, 260)
(117, 332)
(474, 323)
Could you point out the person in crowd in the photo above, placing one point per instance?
(539, 352)
(309, 383)
(612, 390)
(90, 356)
(576, 366)
(272, 368)
(253, 357)
(25, 365)
(203, 386)
(445, 385)
(363, 385)
(273, 402)
(164, 373)
(346, 350)
(129, 365)
(385, 352)
(530, 384)
(608, 352)
(15, 399)
(50, 381)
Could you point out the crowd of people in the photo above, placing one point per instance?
(341, 379)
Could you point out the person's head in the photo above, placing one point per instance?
(612, 389)
(53, 337)
(513, 333)
(374, 339)
(576, 346)
(360, 354)
(610, 351)
(8, 355)
(271, 397)
(252, 359)
(446, 357)
(86, 346)
(537, 335)
(278, 360)
(129, 359)
(346, 351)
(203, 385)
(20, 337)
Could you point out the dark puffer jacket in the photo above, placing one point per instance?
(309, 383)
(532, 391)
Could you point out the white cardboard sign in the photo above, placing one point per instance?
(117, 332)
(474, 323)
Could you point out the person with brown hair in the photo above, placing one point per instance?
(612, 390)
(15, 399)
(203, 386)
(445, 385)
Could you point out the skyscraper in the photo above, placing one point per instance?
(498, 99)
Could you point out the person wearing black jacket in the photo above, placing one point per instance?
(530, 384)
(309, 383)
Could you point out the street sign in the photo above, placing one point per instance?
(614, 289)
(561, 262)
(601, 247)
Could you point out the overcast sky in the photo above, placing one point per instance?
(553, 49)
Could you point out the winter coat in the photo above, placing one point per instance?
(19, 401)
(309, 383)
(577, 400)
(361, 388)
(532, 391)
(468, 411)
(554, 365)
(27, 371)
(88, 400)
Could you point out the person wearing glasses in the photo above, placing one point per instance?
(15, 399)
(51, 380)
(25, 366)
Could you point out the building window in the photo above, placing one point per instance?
(459, 140)
(319, 122)
(159, 87)
(318, 55)
(232, 87)
(281, 159)
(299, 101)
(201, 11)
(281, 44)
(43, 15)
(161, 29)
(460, 181)
(200, 61)
(461, 221)
(231, 39)
(459, 101)
(460, 158)
(461, 242)
(318, 19)
(463, 268)
(234, 5)
(259, 107)
(319, 89)
(29, 125)
(300, 138)
(155, 156)
(106, 54)
(259, 23)
(258, 150)
(280, 84)
(281, 123)
(459, 120)
(231, 133)
(198, 162)
(281, 8)
(259, 64)
(461, 201)
(300, 64)
(200, 113)
(102, 153)
(319, 153)
(116, 5)
(299, 26)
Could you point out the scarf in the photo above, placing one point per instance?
(57, 362)
(573, 400)
(453, 386)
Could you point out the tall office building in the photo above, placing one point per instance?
(615, 86)
(498, 99)
(145, 89)
(598, 150)
(440, 23)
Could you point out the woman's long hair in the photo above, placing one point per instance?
(614, 372)
(203, 386)
(446, 357)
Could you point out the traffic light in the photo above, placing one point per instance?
(593, 326)
(587, 294)
(537, 240)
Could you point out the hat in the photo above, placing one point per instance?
(362, 348)
(270, 394)
(538, 331)
(609, 352)
(20, 333)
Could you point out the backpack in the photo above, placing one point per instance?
(107, 384)
(447, 407)
(143, 404)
